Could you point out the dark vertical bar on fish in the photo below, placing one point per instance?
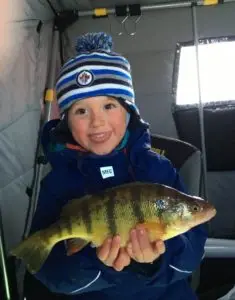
(110, 210)
(86, 216)
(136, 205)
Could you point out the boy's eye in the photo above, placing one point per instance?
(110, 106)
(80, 111)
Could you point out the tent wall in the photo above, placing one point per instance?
(151, 52)
(30, 9)
(22, 82)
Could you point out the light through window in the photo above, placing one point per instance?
(217, 73)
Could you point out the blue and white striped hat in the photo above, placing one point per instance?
(95, 71)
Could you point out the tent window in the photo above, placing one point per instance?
(217, 72)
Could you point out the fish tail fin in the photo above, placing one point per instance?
(33, 251)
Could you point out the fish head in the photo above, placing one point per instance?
(180, 212)
(199, 210)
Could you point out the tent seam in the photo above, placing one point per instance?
(22, 175)
(17, 119)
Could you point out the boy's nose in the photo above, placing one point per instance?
(97, 119)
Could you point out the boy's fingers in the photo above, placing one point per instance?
(122, 260)
(135, 245)
(103, 250)
(160, 247)
(114, 249)
(129, 250)
(145, 245)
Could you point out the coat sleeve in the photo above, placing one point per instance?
(79, 273)
(184, 252)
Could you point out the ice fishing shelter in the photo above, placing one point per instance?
(154, 36)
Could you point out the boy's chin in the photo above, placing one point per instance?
(102, 150)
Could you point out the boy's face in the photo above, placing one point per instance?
(98, 124)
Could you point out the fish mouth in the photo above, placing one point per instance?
(210, 214)
(206, 216)
(209, 211)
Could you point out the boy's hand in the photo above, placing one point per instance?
(141, 249)
(112, 255)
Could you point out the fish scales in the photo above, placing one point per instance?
(136, 202)
(100, 221)
(59, 230)
(83, 220)
(86, 217)
(80, 222)
(111, 216)
(124, 214)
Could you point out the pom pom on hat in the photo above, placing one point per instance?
(94, 42)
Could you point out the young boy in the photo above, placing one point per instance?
(101, 129)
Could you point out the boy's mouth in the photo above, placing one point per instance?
(100, 137)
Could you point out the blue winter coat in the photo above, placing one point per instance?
(83, 276)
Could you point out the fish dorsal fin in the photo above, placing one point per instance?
(73, 206)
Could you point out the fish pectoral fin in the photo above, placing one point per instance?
(74, 245)
(156, 230)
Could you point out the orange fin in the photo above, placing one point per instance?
(74, 245)
(156, 230)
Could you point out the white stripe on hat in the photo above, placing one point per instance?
(94, 88)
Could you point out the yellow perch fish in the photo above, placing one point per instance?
(162, 210)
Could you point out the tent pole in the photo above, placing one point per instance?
(40, 160)
(3, 265)
(50, 93)
(200, 106)
(163, 5)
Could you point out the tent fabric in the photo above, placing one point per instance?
(192, 179)
(24, 10)
(22, 82)
(221, 188)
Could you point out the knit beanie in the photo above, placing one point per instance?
(95, 71)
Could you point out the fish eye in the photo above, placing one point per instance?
(196, 208)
